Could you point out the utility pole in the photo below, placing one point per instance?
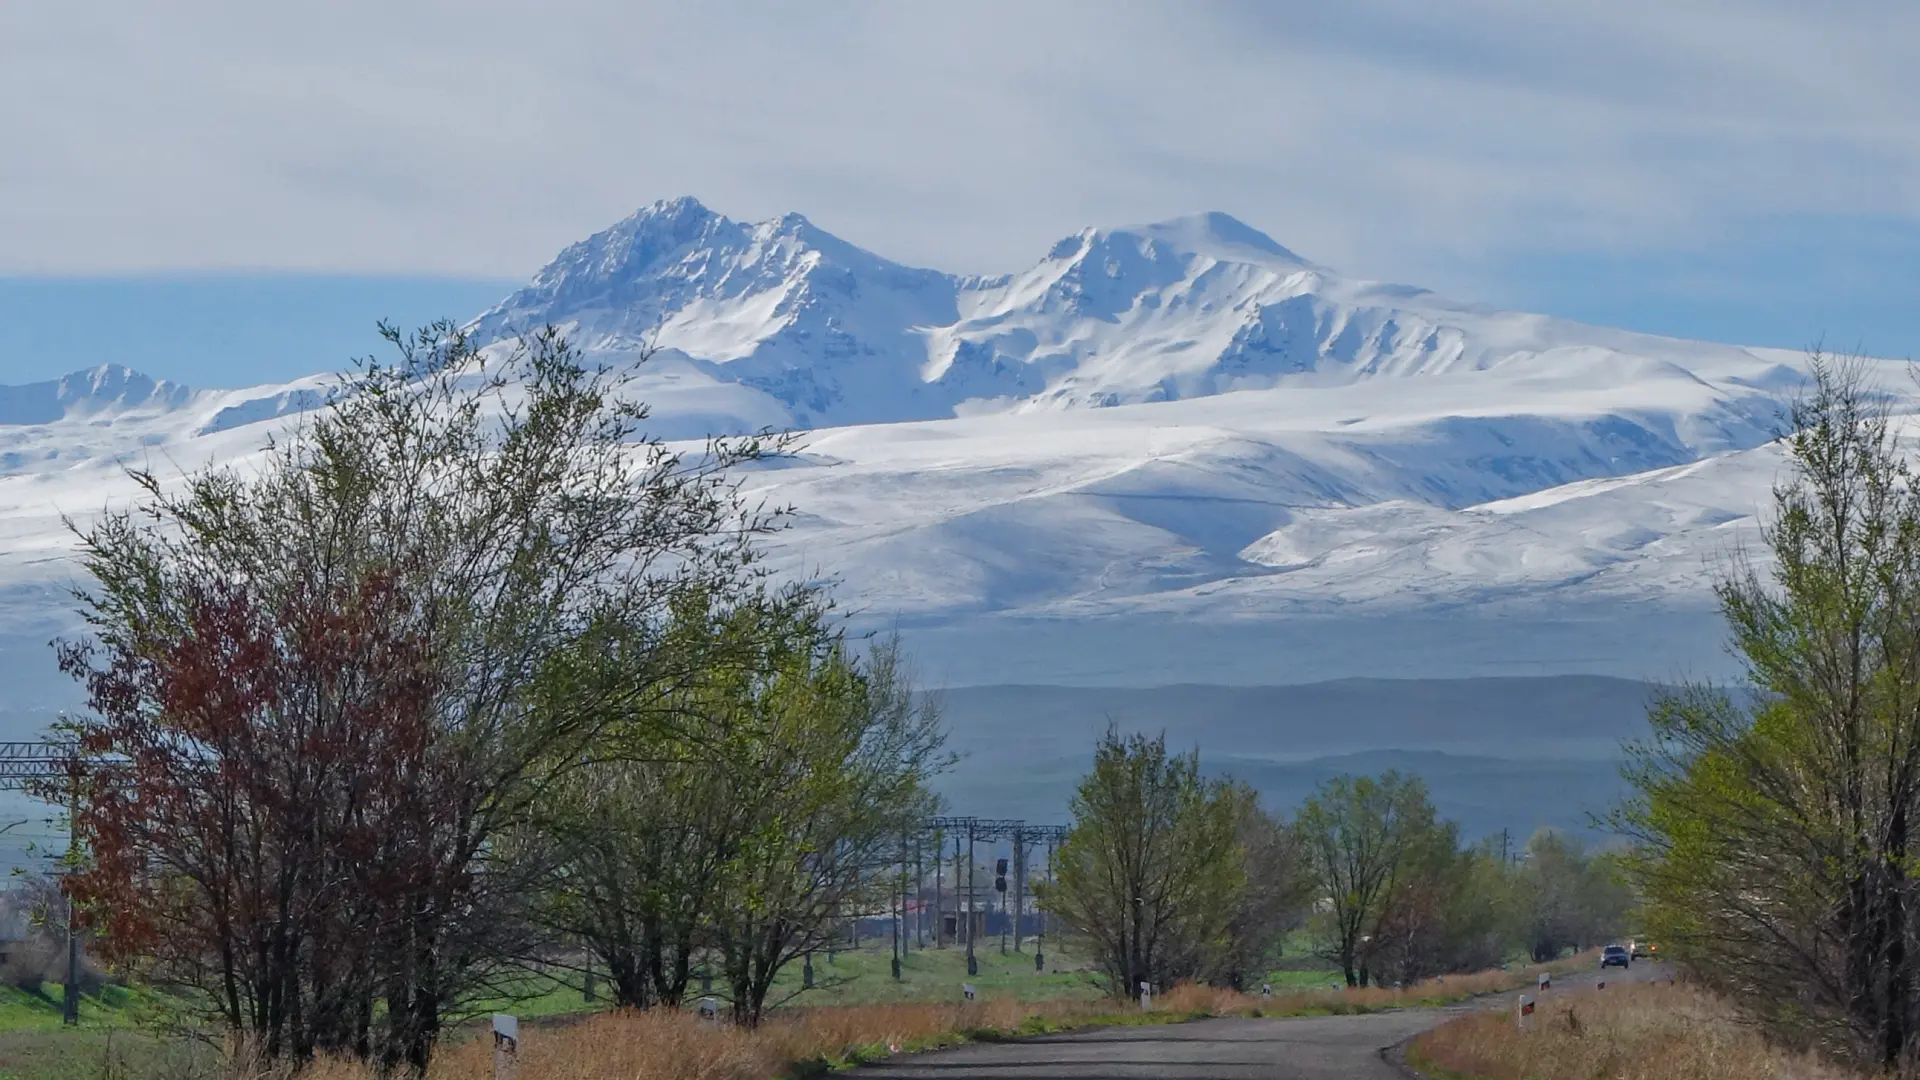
(1019, 882)
(919, 888)
(70, 1002)
(895, 912)
(38, 768)
(959, 927)
(973, 965)
(1000, 886)
(1040, 940)
(969, 912)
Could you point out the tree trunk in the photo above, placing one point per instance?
(629, 981)
(1899, 978)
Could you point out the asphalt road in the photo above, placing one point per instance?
(1307, 1048)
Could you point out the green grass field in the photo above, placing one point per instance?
(117, 1038)
(113, 1006)
(865, 977)
(937, 974)
(120, 1036)
(856, 977)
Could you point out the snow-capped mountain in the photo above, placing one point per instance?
(1168, 452)
(103, 392)
(813, 323)
(819, 333)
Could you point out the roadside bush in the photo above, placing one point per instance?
(1780, 825)
(1636, 1031)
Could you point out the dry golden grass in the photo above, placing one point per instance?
(663, 1045)
(1634, 1031)
(1195, 999)
(1438, 991)
(678, 1046)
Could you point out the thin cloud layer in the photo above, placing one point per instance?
(1391, 137)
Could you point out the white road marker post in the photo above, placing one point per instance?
(1524, 1011)
(1546, 982)
(506, 1045)
(1146, 996)
(966, 991)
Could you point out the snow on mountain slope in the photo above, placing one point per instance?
(104, 391)
(112, 414)
(1140, 506)
(1140, 554)
(805, 319)
(1167, 452)
(830, 335)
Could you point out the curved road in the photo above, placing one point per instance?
(1306, 1048)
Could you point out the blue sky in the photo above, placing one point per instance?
(217, 329)
(217, 193)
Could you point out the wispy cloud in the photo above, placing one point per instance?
(1393, 137)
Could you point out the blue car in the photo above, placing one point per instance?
(1615, 956)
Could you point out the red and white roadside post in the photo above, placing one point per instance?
(1524, 1012)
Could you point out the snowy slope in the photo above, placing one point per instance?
(1224, 540)
(1166, 452)
(815, 332)
(106, 391)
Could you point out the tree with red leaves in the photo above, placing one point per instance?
(336, 683)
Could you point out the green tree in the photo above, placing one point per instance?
(1438, 915)
(1151, 872)
(643, 840)
(1373, 845)
(1276, 897)
(1777, 827)
(1569, 897)
(341, 679)
(1483, 915)
(829, 758)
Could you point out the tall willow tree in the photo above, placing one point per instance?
(1779, 826)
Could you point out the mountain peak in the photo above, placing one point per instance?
(105, 379)
(665, 223)
(796, 227)
(791, 310)
(102, 388)
(683, 207)
(1217, 234)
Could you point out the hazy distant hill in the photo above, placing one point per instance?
(1498, 753)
